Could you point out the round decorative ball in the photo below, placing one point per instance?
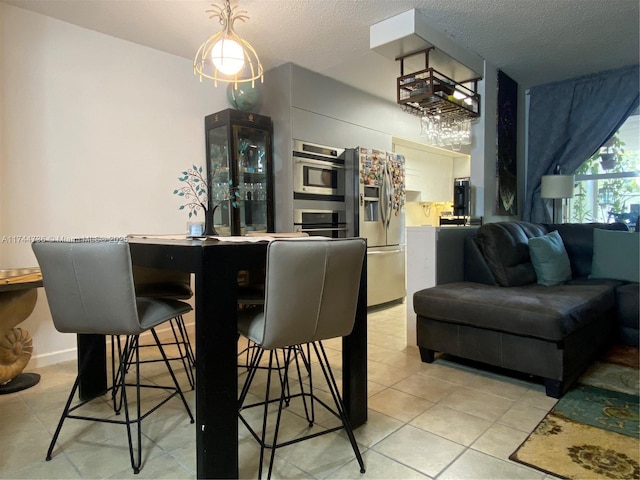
(244, 97)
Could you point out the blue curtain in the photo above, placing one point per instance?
(569, 121)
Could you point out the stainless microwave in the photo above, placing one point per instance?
(318, 171)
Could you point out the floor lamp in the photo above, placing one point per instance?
(557, 187)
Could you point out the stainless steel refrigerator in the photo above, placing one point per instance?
(378, 206)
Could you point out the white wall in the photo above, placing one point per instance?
(311, 107)
(94, 133)
(1, 115)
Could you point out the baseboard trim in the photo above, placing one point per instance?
(52, 358)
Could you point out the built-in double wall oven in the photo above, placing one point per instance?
(318, 172)
(319, 190)
(325, 223)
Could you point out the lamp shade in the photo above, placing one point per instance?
(557, 186)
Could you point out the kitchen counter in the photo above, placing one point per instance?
(433, 258)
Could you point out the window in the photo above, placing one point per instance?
(607, 187)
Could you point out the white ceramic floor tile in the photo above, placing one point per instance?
(162, 467)
(449, 406)
(377, 427)
(378, 353)
(397, 404)
(378, 466)
(429, 388)
(423, 451)
(23, 446)
(321, 456)
(500, 441)
(58, 468)
(522, 417)
(499, 386)
(446, 372)
(477, 465)
(459, 427)
(484, 405)
(536, 397)
(374, 388)
(386, 374)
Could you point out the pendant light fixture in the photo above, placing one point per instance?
(224, 56)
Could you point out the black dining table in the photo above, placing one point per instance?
(215, 264)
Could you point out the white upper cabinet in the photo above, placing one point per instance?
(412, 176)
(430, 170)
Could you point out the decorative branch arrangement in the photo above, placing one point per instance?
(196, 193)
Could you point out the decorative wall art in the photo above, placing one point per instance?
(506, 146)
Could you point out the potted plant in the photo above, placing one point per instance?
(609, 153)
(613, 192)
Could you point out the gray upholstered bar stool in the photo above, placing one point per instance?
(157, 283)
(311, 294)
(90, 290)
(251, 292)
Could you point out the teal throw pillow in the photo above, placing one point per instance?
(616, 254)
(550, 259)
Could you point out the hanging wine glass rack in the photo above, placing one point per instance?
(429, 92)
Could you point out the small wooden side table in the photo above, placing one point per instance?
(18, 295)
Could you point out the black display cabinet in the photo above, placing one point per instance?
(240, 172)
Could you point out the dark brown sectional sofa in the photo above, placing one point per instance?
(501, 316)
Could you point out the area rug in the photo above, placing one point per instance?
(593, 430)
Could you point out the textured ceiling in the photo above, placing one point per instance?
(533, 41)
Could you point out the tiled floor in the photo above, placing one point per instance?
(439, 420)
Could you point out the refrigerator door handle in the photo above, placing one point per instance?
(388, 192)
(384, 211)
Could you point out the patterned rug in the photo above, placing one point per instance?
(593, 430)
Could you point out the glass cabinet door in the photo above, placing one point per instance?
(219, 185)
(252, 145)
(240, 170)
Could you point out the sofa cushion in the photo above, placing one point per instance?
(628, 306)
(475, 266)
(505, 246)
(550, 259)
(616, 255)
(532, 310)
(578, 242)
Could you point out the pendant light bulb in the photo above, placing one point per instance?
(224, 56)
(228, 56)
